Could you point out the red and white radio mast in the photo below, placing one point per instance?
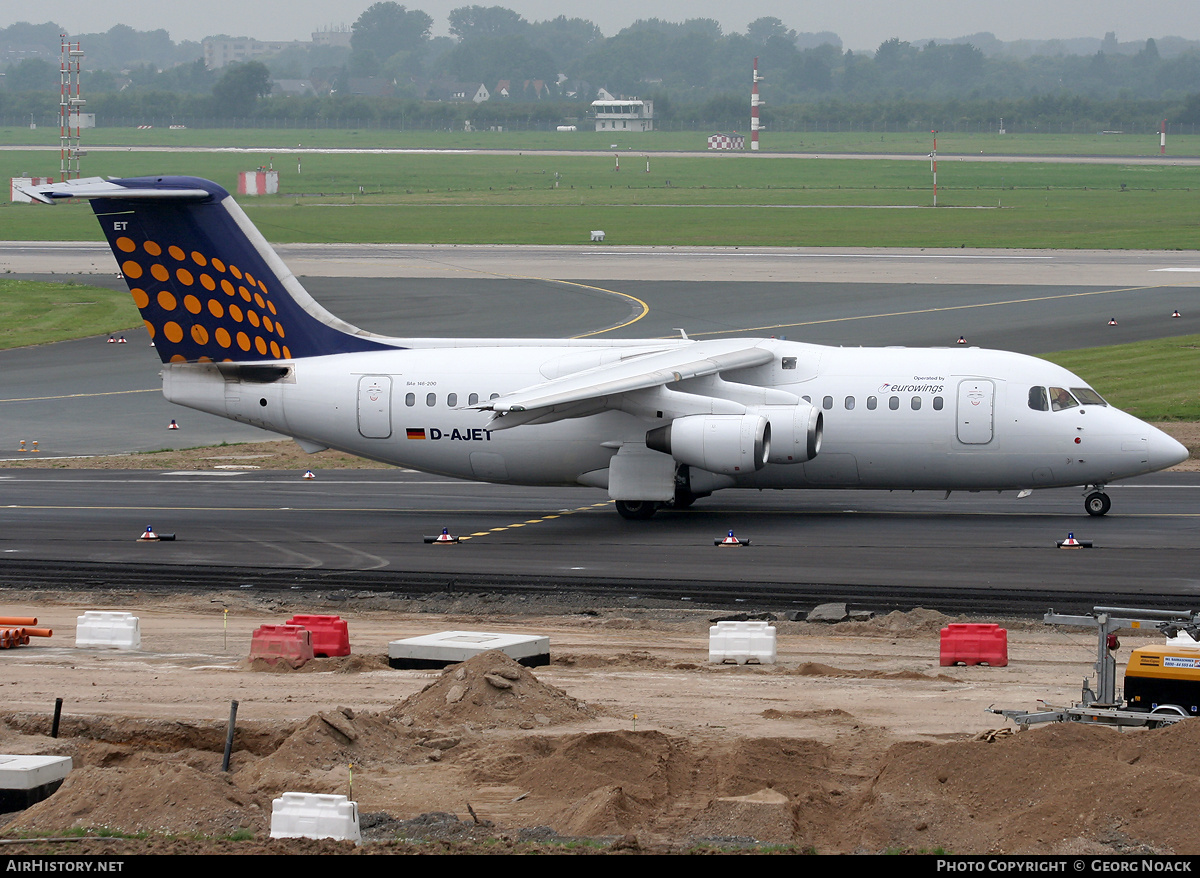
(70, 105)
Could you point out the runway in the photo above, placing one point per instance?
(363, 529)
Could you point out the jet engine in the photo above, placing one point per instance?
(732, 444)
(796, 432)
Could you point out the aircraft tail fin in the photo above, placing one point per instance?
(207, 283)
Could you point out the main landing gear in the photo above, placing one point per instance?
(1097, 502)
(636, 510)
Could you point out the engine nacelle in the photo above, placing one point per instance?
(732, 444)
(796, 432)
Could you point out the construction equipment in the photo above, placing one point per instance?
(1162, 683)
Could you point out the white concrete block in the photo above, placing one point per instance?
(106, 629)
(315, 815)
(742, 642)
(451, 647)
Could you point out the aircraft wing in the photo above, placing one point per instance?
(694, 360)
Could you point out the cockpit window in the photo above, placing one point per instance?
(1037, 399)
(1087, 396)
(1061, 399)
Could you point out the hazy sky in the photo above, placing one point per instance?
(862, 24)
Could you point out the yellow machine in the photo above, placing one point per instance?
(1164, 678)
(1162, 683)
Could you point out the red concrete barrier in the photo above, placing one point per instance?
(330, 636)
(974, 644)
(287, 643)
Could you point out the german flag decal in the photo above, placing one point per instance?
(415, 432)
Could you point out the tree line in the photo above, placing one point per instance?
(697, 75)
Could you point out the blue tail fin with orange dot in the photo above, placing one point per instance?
(208, 285)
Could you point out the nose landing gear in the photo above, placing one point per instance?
(1097, 502)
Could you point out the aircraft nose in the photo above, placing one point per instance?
(1164, 451)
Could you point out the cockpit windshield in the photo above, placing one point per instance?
(1087, 396)
(1060, 398)
(1042, 399)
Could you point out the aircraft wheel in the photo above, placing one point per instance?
(1097, 503)
(636, 510)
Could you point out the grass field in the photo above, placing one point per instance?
(1153, 380)
(1145, 143)
(734, 200)
(39, 313)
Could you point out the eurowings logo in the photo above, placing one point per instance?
(889, 387)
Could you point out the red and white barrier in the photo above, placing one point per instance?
(258, 183)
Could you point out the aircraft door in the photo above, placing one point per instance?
(976, 411)
(375, 406)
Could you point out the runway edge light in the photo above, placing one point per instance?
(1071, 543)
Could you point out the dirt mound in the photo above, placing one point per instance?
(917, 622)
(342, 664)
(322, 753)
(635, 659)
(1056, 789)
(490, 691)
(765, 816)
(820, 669)
(162, 797)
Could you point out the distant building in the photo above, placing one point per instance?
(221, 53)
(624, 115)
(293, 87)
(459, 91)
(334, 36)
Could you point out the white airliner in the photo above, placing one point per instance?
(656, 422)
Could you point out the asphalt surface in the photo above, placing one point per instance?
(364, 529)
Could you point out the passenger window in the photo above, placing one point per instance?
(1037, 399)
(894, 403)
(1060, 399)
(431, 399)
(789, 363)
(807, 399)
(452, 400)
(494, 396)
(1087, 396)
(410, 399)
(872, 402)
(827, 403)
(937, 403)
(473, 399)
(916, 403)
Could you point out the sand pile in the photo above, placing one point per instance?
(158, 797)
(490, 691)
